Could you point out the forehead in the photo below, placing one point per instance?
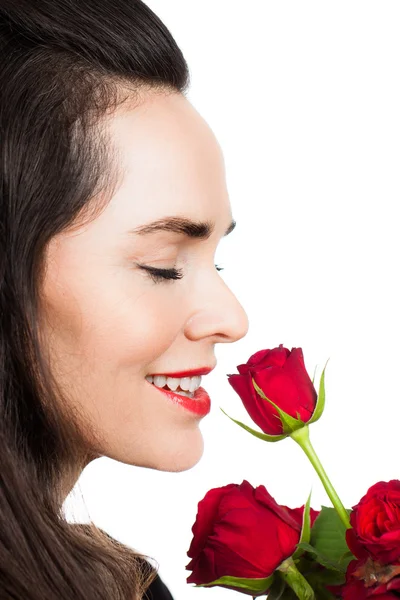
(171, 160)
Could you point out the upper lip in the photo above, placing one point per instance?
(191, 373)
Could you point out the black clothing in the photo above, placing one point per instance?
(158, 591)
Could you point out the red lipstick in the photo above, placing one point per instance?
(192, 373)
(200, 404)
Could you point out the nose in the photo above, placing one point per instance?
(218, 315)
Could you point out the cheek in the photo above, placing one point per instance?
(95, 317)
(137, 330)
(125, 331)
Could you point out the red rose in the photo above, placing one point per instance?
(242, 532)
(368, 579)
(283, 378)
(376, 524)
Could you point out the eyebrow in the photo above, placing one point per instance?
(198, 230)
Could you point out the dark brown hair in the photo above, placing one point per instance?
(65, 65)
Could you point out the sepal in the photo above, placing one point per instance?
(289, 423)
(305, 529)
(256, 587)
(262, 436)
(319, 407)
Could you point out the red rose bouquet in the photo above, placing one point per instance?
(245, 541)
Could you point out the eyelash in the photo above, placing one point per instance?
(158, 275)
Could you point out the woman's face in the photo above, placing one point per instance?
(109, 324)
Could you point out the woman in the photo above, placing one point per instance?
(113, 201)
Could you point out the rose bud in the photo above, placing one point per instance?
(375, 522)
(240, 531)
(282, 377)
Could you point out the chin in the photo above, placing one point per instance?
(172, 454)
(180, 458)
(180, 453)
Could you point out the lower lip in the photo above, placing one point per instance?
(200, 404)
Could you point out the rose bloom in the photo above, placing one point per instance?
(375, 524)
(282, 376)
(375, 540)
(366, 579)
(242, 532)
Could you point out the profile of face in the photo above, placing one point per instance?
(109, 322)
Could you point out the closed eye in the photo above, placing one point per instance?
(158, 275)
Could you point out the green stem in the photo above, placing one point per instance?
(295, 580)
(301, 436)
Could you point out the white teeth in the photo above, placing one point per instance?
(187, 394)
(159, 380)
(185, 383)
(173, 383)
(195, 383)
(188, 384)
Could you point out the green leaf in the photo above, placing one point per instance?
(318, 577)
(262, 436)
(319, 407)
(326, 577)
(255, 586)
(305, 528)
(328, 537)
(347, 555)
(288, 422)
(321, 591)
(322, 559)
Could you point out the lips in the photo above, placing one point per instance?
(192, 373)
(199, 405)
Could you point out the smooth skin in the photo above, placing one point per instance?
(107, 322)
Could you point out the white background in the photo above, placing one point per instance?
(304, 98)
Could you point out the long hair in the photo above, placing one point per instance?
(65, 65)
